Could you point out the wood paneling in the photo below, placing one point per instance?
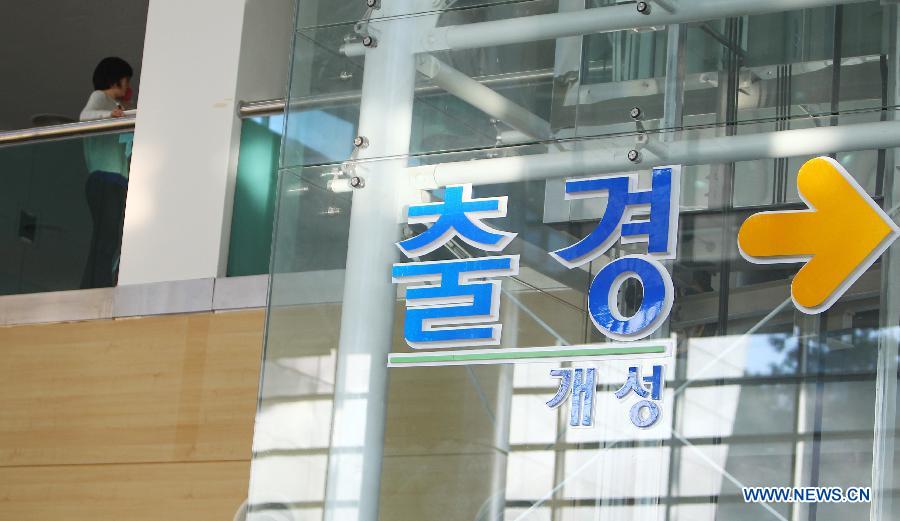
(145, 418)
(130, 492)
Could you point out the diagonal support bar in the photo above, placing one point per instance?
(483, 98)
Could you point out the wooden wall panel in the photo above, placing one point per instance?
(129, 492)
(170, 388)
(115, 417)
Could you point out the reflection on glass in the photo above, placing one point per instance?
(56, 232)
(757, 394)
(766, 396)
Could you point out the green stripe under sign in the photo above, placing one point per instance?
(514, 355)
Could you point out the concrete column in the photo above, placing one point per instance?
(195, 71)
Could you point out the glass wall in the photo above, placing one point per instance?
(756, 391)
(254, 196)
(52, 205)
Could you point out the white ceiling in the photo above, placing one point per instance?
(49, 48)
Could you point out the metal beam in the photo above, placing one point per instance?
(271, 107)
(483, 98)
(724, 149)
(591, 21)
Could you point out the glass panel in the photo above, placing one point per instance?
(755, 392)
(774, 70)
(254, 196)
(325, 93)
(759, 396)
(314, 13)
(61, 213)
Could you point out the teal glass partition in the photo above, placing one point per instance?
(756, 392)
(254, 196)
(46, 224)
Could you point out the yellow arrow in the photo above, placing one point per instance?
(839, 237)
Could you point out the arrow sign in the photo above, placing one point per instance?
(838, 238)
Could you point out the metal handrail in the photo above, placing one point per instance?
(66, 130)
(246, 109)
(123, 124)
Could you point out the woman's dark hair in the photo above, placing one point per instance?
(111, 71)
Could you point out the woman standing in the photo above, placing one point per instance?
(107, 163)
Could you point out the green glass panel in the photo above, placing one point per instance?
(254, 196)
(54, 212)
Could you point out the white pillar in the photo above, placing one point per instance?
(178, 214)
(367, 314)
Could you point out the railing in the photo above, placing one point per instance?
(61, 214)
(246, 109)
(125, 123)
(249, 109)
(67, 130)
(52, 205)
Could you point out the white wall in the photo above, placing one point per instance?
(185, 150)
(266, 49)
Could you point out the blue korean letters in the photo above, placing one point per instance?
(635, 384)
(658, 230)
(655, 304)
(444, 304)
(457, 216)
(462, 309)
(581, 388)
(631, 216)
(459, 307)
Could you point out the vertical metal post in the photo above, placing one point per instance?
(889, 339)
(807, 409)
(836, 57)
(357, 436)
(502, 415)
(567, 80)
(673, 102)
(673, 121)
(728, 86)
